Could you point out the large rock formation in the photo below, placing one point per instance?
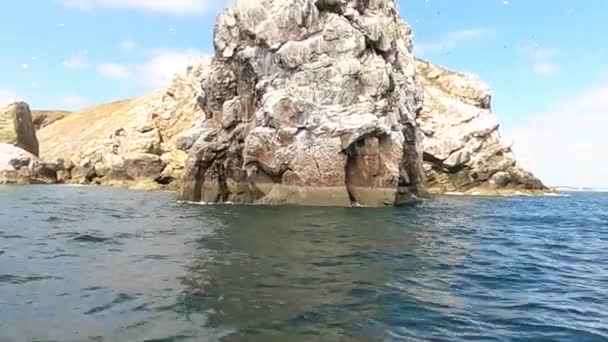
(463, 150)
(308, 102)
(17, 128)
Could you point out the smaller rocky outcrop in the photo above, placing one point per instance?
(17, 128)
(16, 165)
(463, 149)
(127, 143)
(43, 118)
(19, 163)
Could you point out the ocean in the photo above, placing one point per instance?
(102, 264)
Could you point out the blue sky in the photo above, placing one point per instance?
(545, 60)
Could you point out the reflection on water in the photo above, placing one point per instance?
(105, 264)
(317, 272)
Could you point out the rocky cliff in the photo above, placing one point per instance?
(127, 143)
(305, 102)
(463, 149)
(308, 102)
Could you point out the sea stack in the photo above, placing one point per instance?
(308, 102)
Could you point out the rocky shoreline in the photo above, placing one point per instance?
(305, 102)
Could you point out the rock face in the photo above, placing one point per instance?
(307, 102)
(127, 143)
(17, 128)
(463, 150)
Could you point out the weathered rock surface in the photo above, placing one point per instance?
(16, 164)
(127, 143)
(17, 128)
(308, 102)
(463, 149)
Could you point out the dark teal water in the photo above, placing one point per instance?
(95, 264)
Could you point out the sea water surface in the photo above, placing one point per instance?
(99, 264)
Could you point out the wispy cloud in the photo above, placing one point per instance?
(545, 68)
(174, 7)
(157, 70)
(542, 59)
(77, 62)
(166, 63)
(564, 146)
(451, 40)
(115, 71)
(127, 45)
(7, 96)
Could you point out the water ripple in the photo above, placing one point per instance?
(136, 266)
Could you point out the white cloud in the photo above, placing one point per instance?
(165, 64)
(540, 53)
(456, 36)
(451, 40)
(127, 45)
(595, 100)
(567, 146)
(7, 96)
(175, 7)
(542, 59)
(545, 68)
(115, 71)
(72, 102)
(156, 71)
(77, 62)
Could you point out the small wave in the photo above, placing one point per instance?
(121, 298)
(12, 236)
(62, 255)
(18, 280)
(126, 236)
(93, 288)
(156, 257)
(92, 238)
(555, 194)
(206, 203)
(60, 219)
